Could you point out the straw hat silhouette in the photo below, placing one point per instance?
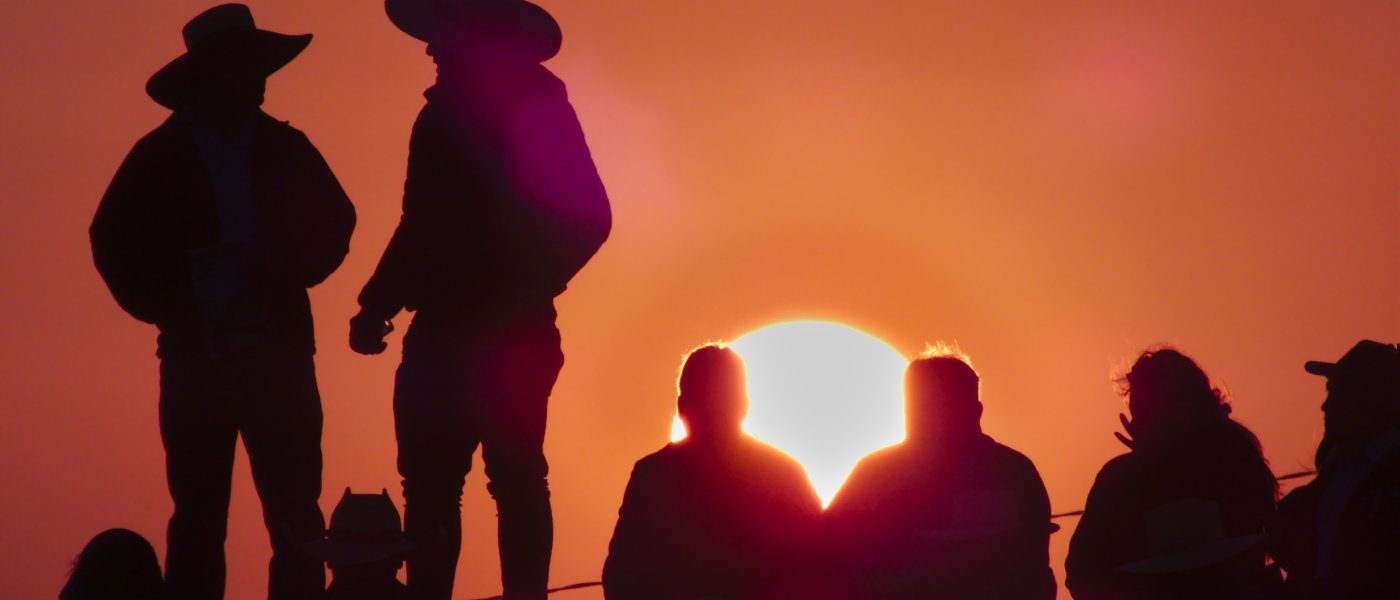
(221, 32)
(1186, 535)
(522, 25)
(365, 528)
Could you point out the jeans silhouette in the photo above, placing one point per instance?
(468, 379)
(269, 397)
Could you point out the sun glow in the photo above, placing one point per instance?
(822, 392)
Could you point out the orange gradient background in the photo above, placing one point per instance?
(1053, 187)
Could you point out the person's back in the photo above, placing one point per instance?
(949, 512)
(1183, 513)
(718, 514)
(703, 522)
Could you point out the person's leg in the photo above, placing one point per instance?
(279, 416)
(435, 451)
(512, 408)
(199, 438)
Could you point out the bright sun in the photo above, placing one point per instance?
(822, 392)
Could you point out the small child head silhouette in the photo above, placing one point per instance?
(117, 563)
(365, 544)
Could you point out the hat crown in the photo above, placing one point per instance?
(360, 515)
(221, 18)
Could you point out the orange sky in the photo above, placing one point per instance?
(1052, 187)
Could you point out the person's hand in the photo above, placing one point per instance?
(1128, 440)
(367, 334)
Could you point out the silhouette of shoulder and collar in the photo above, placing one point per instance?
(718, 514)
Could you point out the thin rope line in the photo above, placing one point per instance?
(576, 586)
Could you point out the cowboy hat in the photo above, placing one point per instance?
(1186, 535)
(522, 25)
(365, 528)
(221, 30)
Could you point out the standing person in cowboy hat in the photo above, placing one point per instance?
(213, 228)
(1339, 536)
(948, 513)
(1181, 515)
(502, 206)
(364, 548)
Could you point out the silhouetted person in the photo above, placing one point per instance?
(212, 229)
(364, 548)
(1181, 515)
(717, 514)
(1339, 536)
(502, 206)
(948, 513)
(118, 564)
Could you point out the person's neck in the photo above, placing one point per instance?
(715, 438)
(944, 438)
(227, 122)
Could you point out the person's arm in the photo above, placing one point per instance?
(1030, 554)
(567, 216)
(127, 250)
(324, 223)
(398, 281)
(1095, 549)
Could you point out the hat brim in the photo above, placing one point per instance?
(1317, 367)
(525, 26)
(348, 554)
(1196, 557)
(266, 51)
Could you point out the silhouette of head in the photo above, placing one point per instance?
(941, 401)
(1363, 392)
(226, 63)
(117, 563)
(365, 533)
(1169, 395)
(713, 399)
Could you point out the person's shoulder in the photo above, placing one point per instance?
(170, 132)
(270, 124)
(888, 461)
(660, 459)
(1009, 457)
(773, 460)
(1119, 468)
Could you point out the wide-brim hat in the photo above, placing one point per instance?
(364, 529)
(526, 27)
(226, 30)
(1196, 557)
(1185, 535)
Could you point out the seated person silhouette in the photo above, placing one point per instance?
(117, 563)
(1339, 536)
(364, 548)
(1182, 514)
(947, 513)
(717, 514)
